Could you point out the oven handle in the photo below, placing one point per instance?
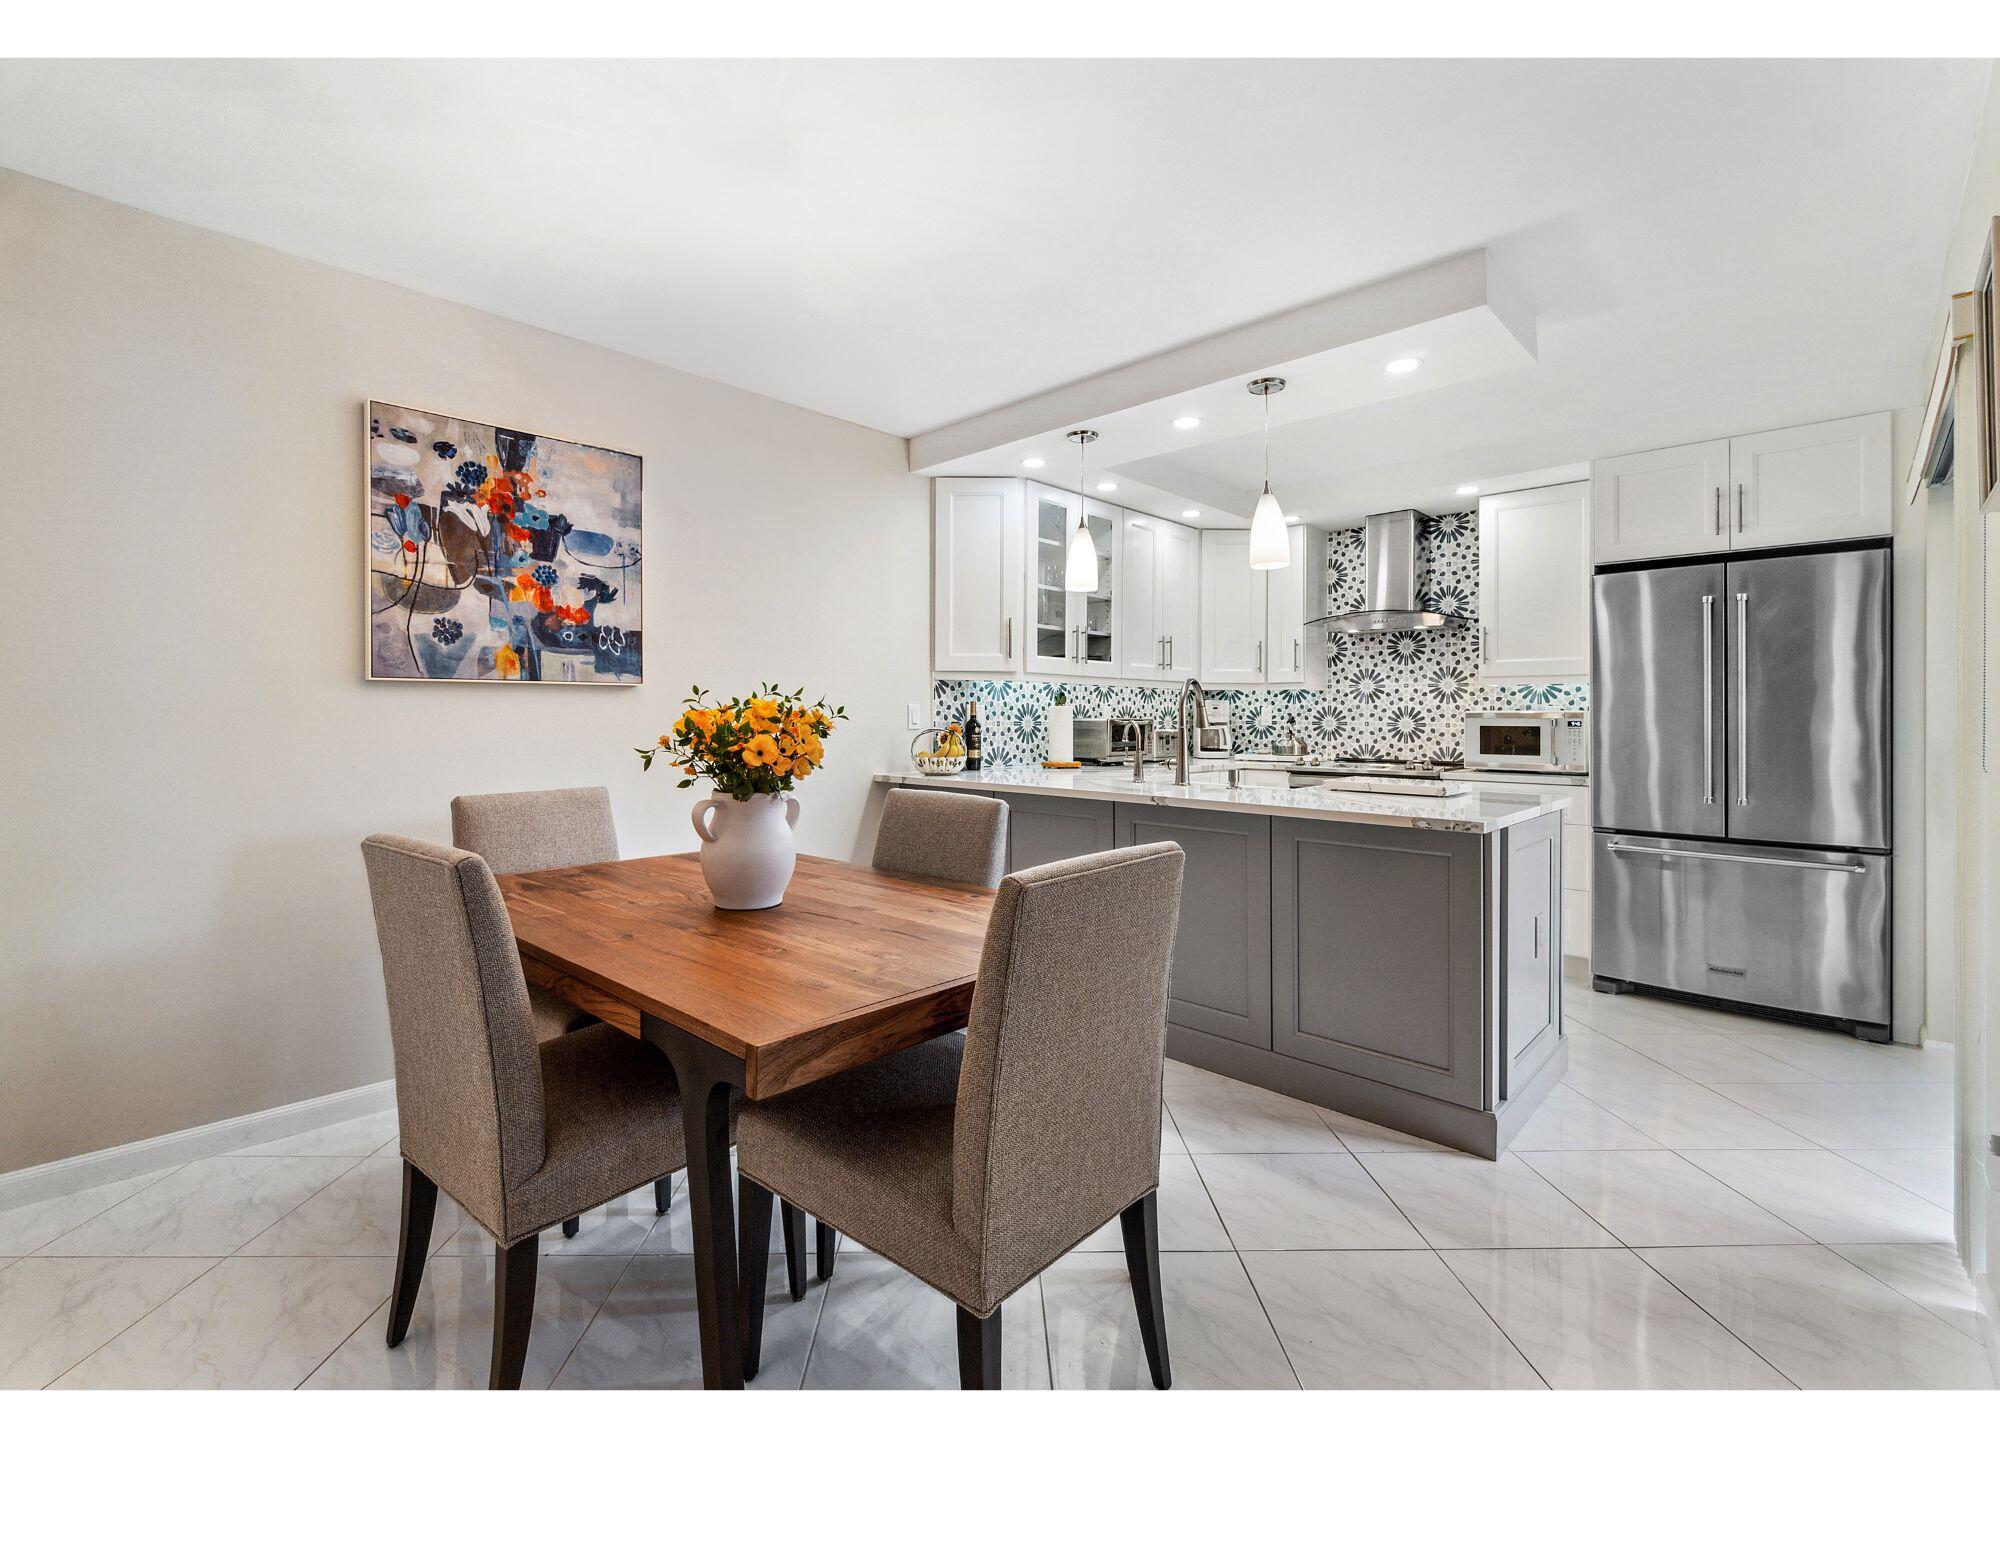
(1738, 858)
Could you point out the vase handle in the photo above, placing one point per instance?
(702, 828)
(791, 811)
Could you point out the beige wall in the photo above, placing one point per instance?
(191, 753)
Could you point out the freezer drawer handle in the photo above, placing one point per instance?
(1738, 858)
(1708, 697)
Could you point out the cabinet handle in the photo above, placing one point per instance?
(1538, 935)
(1260, 657)
(1739, 506)
(1170, 651)
(1010, 638)
(1718, 509)
(1295, 654)
(1160, 651)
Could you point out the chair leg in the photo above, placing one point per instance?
(978, 1350)
(753, 1260)
(794, 1227)
(663, 1194)
(1141, 1226)
(413, 1243)
(513, 1310)
(823, 1246)
(570, 1226)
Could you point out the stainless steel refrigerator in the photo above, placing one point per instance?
(1740, 782)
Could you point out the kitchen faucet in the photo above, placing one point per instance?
(1181, 723)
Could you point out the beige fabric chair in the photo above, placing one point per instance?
(545, 829)
(974, 1163)
(539, 829)
(520, 1134)
(943, 836)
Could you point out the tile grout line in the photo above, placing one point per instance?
(1241, 1265)
(213, 1262)
(1633, 1251)
(1438, 1255)
(1921, 1305)
(171, 1169)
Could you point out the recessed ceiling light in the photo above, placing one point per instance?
(1107, 488)
(1291, 520)
(1190, 514)
(1467, 488)
(1403, 366)
(1187, 421)
(1033, 461)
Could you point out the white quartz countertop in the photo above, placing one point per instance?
(1460, 813)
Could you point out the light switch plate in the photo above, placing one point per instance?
(916, 721)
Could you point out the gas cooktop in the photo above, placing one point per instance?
(1353, 767)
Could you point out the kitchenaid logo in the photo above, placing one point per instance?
(1729, 970)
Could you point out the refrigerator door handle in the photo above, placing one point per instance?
(1737, 858)
(1708, 698)
(1742, 697)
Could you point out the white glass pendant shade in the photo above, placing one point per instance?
(1080, 573)
(1270, 548)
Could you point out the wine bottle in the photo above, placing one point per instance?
(972, 762)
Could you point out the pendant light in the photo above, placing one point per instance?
(1080, 571)
(1270, 548)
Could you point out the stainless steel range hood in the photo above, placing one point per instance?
(1389, 601)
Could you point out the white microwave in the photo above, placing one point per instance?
(1528, 742)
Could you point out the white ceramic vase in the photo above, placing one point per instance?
(1062, 732)
(747, 851)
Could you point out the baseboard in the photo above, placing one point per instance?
(79, 1173)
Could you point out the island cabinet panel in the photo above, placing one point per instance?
(1042, 829)
(1531, 959)
(1377, 944)
(1221, 982)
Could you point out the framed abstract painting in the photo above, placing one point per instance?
(499, 554)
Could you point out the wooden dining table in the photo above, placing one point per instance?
(854, 964)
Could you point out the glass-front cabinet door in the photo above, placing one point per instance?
(1073, 631)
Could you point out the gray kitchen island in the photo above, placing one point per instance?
(1396, 958)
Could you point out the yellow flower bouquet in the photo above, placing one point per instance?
(759, 744)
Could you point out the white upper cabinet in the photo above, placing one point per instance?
(1291, 592)
(1534, 583)
(976, 590)
(1233, 611)
(1179, 596)
(1142, 642)
(1074, 632)
(1659, 503)
(1159, 571)
(1253, 620)
(1816, 483)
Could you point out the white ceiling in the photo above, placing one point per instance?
(1707, 246)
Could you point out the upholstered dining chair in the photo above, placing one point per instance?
(520, 1133)
(538, 829)
(545, 829)
(976, 1162)
(941, 836)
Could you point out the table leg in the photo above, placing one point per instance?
(708, 1080)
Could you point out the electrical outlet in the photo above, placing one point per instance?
(916, 721)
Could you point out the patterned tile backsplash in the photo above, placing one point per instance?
(1397, 696)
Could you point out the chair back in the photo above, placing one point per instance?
(943, 836)
(468, 1075)
(1057, 1127)
(536, 828)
